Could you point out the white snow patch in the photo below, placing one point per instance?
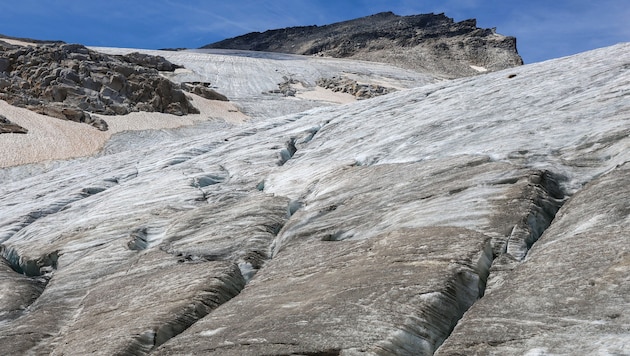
(479, 69)
(211, 332)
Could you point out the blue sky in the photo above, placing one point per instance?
(544, 29)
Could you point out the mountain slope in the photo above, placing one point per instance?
(426, 43)
(367, 228)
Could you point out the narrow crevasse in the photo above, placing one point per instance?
(545, 197)
(491, 198)
(569, 296)
(30, 267)
(65, 200)
(217, 291)
(287, 152)
(17, 290)
(23, 280)
(246, 259)
(347, 295)
(424, 332)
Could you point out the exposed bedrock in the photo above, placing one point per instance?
(429, 42)
(71, 82)
(352, 87)
(203, 90)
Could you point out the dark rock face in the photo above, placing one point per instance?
(426, 42)
(69, 81)
(155, 62)
(7, 126)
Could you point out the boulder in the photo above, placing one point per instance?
(7, 126)
(203, 90)
(72, 114)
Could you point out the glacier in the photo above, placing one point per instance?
(481, 215)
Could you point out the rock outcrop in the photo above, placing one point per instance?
(6, 126)
(204, 91)
(291, 87)
(72, 82)
(427, 43)
(352, 87)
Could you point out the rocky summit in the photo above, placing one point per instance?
(428, 42)
(487, 215)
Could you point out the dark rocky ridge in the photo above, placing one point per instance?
(70, 81)
(428, 42)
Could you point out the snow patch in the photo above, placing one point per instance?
(211, 332)
(479, 69)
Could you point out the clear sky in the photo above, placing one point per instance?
(544, 28)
